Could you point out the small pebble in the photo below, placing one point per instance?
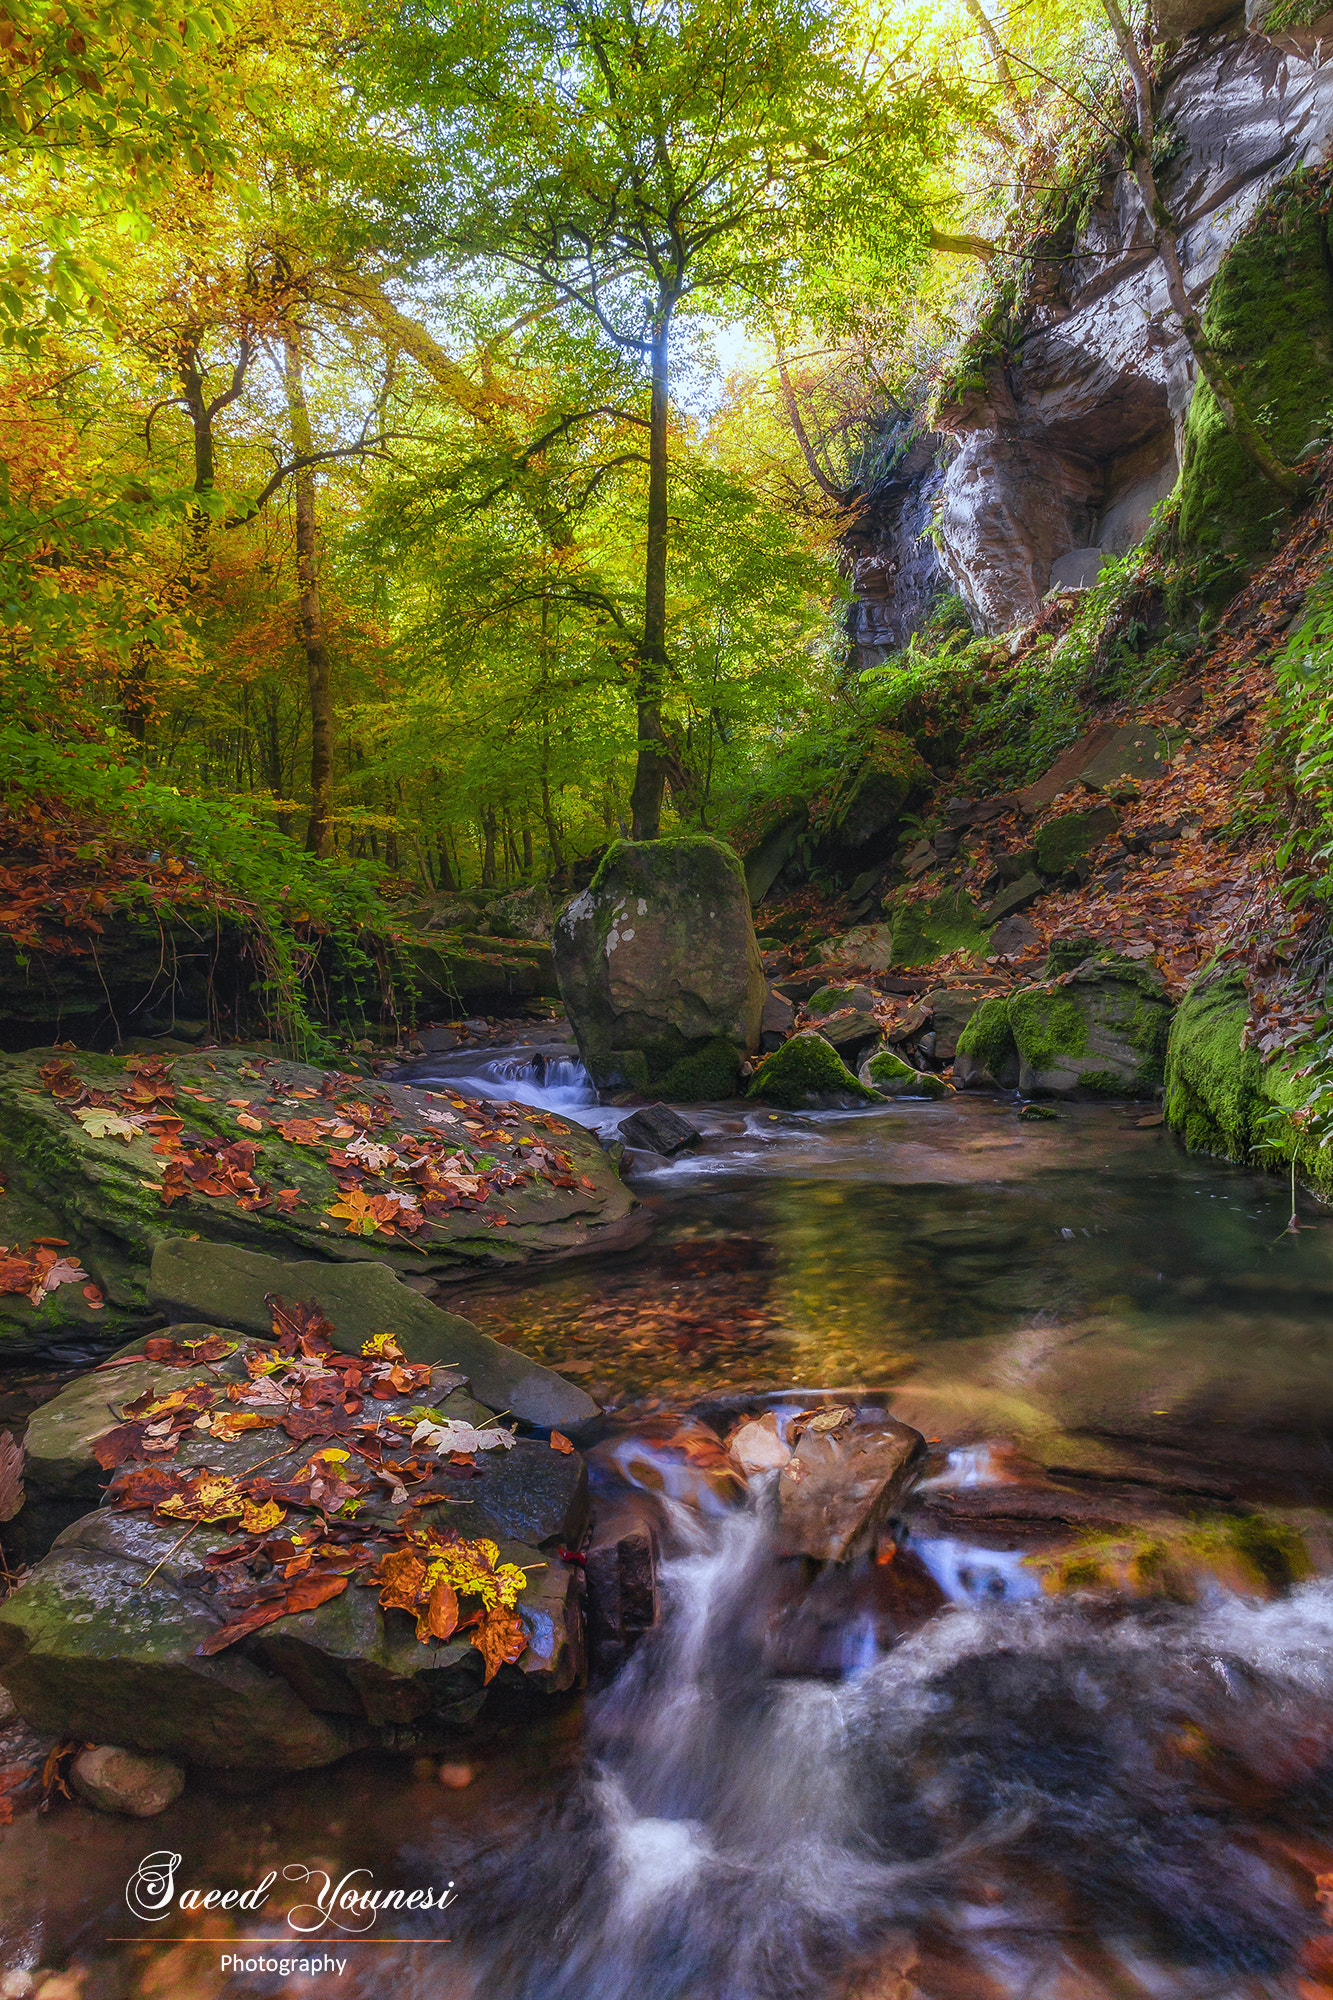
(456, 1776)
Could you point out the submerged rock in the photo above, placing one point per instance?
(659, 969)
(808, 1074)
(125, 1781)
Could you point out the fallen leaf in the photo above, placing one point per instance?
(559, 1442)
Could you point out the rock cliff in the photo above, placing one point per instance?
(1066, 421)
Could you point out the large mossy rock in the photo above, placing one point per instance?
(931, 928)
(1102, 1031)
(530, 1186)
(463, 972)
(890, 776)
(986, 1052)
(659, 969)
(1270, 315)
(1222, 1098)
(808, 1074)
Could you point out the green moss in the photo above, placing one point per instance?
(925, 931)
(1223, 1100)
(1046, 1025)
(682, 860)
(805, 1067)
(989, 1037)
(710, 1072)
(829, 999)
(896, 1078)
(1066, 953)
(1270, 319)
(1272, 1549)
(891, 775)
(1065, 840)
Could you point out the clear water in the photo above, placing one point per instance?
(967, 1791)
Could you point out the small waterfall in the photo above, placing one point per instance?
(1022, 1781)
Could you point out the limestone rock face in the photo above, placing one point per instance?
(658, 966)
(1065, 445)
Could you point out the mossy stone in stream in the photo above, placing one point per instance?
(1222, 1099)
(987, 1051)
(104, 1194)
(892, 1077)
(657, 959)
(808, 1074)
(1102, 1033)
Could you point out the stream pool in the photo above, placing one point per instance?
(963, 1787)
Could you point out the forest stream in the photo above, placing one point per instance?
(944, 1773)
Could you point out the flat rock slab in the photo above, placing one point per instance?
(1063, 774)
(840, 1487)
(1132, 754)
(91, 1647)
(524, 1185)
(228, 1287)
(1020, 895)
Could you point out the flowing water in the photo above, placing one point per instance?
(925, 1778)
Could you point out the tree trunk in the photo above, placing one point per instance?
(488, 854)
(527, 848)
(312, 616)
(650, 771)
(1167, 241)
(1000, 64)
(548, 814)
(443, 866)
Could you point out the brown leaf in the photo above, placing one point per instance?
(440, 1617)
(500, 1639)
(559, 1442)
(302, 1593)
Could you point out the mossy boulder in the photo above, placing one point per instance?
(886, 1072)
(1222, 1099)
(930, 929)
(467, 973)
(102, 1190)
(657, 962)
(1063, 841)
(808, 1074)
(1102, 1032)
(987, 1053)
(890, 776)
(1269, 318)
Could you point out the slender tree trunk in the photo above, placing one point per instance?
(1000, 64)
(312, 615)
(443, 866)
(488, 853)
(1166, 238)
(650, 772)
(548, 814)
(527, 848)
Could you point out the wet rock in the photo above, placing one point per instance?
(777, 1020)
(622, 1587)
(757, 1446)
(659, 969)
(808, 1074)
(659, 1129)
(886, 1072)
(842, 1486)
(987, 1053)
(845, 1018)
(227, 1287)
(125, 1781)
(1020, 895)
(1104, 1032)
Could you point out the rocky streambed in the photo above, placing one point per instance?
(917, 1411)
